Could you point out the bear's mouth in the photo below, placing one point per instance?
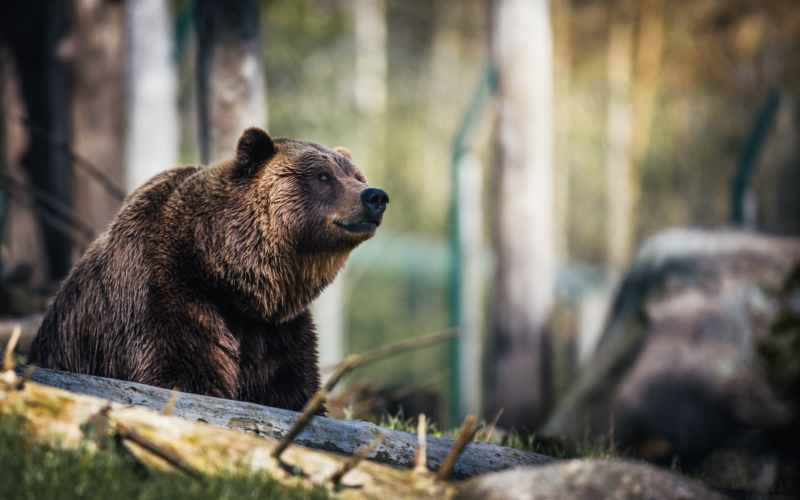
(363, 227)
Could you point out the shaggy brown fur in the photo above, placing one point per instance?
(204, 279)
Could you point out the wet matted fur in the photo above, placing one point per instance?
(203, 281)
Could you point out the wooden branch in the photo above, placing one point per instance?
(468, 431)
(272, 423)
(355, 458)
(493, 425)
(29, 325)
(8, 362)
(420, 459)
(173, 398)
(400, 347)
(57, 417)
(312, 407)
(406, 345)
(25, 377)
(305, 417)
(169, 456)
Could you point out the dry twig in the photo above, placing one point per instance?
(402, 346)
(421, 458)
(468, 431)
(314, 404)
(359, 455)
(169, 456)
(173, 399)
(8, 360)
(493, 425)
(25, 377)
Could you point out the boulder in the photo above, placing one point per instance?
(677, 372)
(584, 480)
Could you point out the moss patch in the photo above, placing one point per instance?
(34, 471)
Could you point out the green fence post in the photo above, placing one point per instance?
(480, 99)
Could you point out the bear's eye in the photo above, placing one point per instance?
(324, 177)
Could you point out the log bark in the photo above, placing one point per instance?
(272, 423)
(158, 441)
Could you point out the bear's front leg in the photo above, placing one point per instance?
(190, 357)
(279, 364)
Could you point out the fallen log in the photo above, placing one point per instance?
(327, 434)
(65, 419)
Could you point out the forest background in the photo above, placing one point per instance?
(393, 80)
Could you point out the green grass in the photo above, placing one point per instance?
(30, 470)
(593, 449)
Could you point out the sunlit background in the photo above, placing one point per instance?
(657, 108)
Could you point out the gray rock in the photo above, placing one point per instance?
(676, 370)
(581, 480)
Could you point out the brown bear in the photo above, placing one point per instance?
(204, 279)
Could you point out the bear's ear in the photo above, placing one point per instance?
(254, 149)
(344, 152)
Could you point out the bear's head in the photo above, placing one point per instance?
(301, 209)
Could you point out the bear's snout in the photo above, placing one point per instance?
(375, 199)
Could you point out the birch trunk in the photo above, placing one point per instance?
(231, 83)
(523, 54)
(152, 101)
(619, 167)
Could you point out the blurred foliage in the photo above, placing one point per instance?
(40, 471)
(395, 284)
(718, 60)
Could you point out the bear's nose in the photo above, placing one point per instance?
(376, 199)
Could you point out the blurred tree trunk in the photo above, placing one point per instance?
(562, 75)
(649, 52)
(370, 92)
(152, 108)
(444, 71)
(231, 85)
(371, 60)
(32, 30)
(95, 53)
(523, 222)
(619, 168)
(22, 234)
(369, 19)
